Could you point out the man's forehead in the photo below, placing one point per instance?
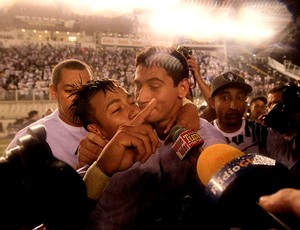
(229, 90)
(153, 73)
(111, 97)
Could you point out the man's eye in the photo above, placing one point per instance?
(225, 98)
(241, 98)
(154, 87)
(116, 110)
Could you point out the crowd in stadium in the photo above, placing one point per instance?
(27, 67)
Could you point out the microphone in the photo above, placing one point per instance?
(184, 140)
(235, 181)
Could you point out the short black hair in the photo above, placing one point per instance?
(70, 64)
(32, 113)
(260, 98)
(278, 88)
(169, 59)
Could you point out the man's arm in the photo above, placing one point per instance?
(131, 143)
(187, 117)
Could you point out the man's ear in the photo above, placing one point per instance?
(95, 129)
(183, 88)
(52, 91)
(211, 102)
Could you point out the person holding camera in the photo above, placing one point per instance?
(208, 113)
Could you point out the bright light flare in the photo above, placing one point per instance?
(250, 21)
(248, 24)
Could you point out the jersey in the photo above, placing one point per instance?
(253, 137)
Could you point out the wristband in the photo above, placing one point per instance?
(95, 181)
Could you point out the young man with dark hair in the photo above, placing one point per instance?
(257, 108)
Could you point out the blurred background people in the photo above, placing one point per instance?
(33, 116)
(257, 108)
(274, 96)
(229, 94)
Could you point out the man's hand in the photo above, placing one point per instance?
(285, 201)
(92, 144)
(132, 143)
(187, 117)
(89, 148)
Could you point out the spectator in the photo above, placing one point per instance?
(229, 93)
(274, 96)
(33, 116)
(257, 108)
(135, 197)
(208, 113)
(63, 133)
(47, 112)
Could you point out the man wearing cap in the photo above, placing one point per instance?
(257, 108)
(229, 93)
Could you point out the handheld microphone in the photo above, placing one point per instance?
(235, 181)
(184, 140)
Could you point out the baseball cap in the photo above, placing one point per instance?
(229, 79)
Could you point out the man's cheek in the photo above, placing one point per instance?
(152, 116)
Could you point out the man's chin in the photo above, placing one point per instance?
(151, 119)
(233, 117)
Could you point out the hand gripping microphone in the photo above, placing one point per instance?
(184, 140)
(235, 181)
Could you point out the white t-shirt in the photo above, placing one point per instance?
(62, 138)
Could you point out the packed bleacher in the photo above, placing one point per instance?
(25, 68)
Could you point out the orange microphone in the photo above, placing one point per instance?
(235, 181)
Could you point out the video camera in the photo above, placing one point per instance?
(184, 50)
(37, 188)
(285, 117)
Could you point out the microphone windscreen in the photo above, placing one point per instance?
(176, 131)
(213, 158)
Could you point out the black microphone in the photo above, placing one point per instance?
(235, 182)
(185, 140)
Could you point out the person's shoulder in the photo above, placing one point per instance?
(210, 134)
(204, 121)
